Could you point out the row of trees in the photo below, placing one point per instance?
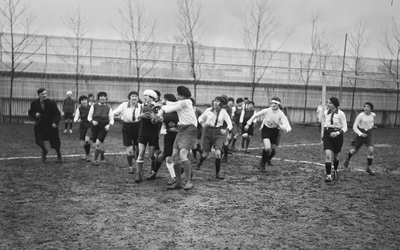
(260, 32)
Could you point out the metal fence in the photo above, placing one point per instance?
(221, 71)
(170, 61)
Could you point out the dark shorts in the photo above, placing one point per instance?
(152, 140)
(99, 132)
(212, 137)
(68, 115)
(367, 141)
(199, 132)
(130, 133)
(186, 137)
(270, 133)
(85, 130)
(333, 144)
(169, 140)
(236, 130)
(250, 131)
(47, 134)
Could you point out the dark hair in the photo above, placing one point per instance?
(246, 98)
(251, 102)
(334, 101)
(370, 105)
(230, 99)
(184, 91)
(81, 98)
(132, 93)
(239, 100)
(221, 100)
(275, 98)
(170, 97)
(39, 91)
(158, 93)
(90, 95)
(101, 93)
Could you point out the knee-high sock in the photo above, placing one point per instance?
(153, 162)
(273, 152)
(58, 151)
(349, 156)
(369, 160)
(265, 155)
(247, 143)
(87, 148)
(233, 142)
(96, 154)
(328, 167)
(171, 170)
(198, 148)
(226, 149)
(194, 152)
(202, 159)
(129, 159)
(70, 125)
(177, 170)
(139, 167)
(217, 165)
(157, 166)
(336, 164)
(188, 170)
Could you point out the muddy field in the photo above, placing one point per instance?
(75, 205)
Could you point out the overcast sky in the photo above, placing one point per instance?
(222, 20)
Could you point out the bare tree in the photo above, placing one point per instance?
(359, 41)
(391, 65)
(138, 31)
(188, 22)
(261, 27)
(77, 25)
(312, 61)
(19, 41)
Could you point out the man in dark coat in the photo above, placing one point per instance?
(47, 117)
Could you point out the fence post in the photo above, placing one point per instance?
(172, 60)
(386, 116)
(1, 110)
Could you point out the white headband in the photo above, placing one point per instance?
(275, 101)
(151, 93)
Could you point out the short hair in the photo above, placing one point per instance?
(251, 102)
(158, 93)
(193, 101)
(132, 93)
(275, 98)
(39, 91)
(370, 105)
(101, 93)
(90, 95)
(230, 99)
(239, 100)
(81, 98)
(334, 101)
(246, 98)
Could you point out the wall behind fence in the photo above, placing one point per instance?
(292, 95)
(171, 61)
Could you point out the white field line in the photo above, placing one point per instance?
(287, 160)
(120, 153)
(257, 156)
(303, 162)
(53, 156)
